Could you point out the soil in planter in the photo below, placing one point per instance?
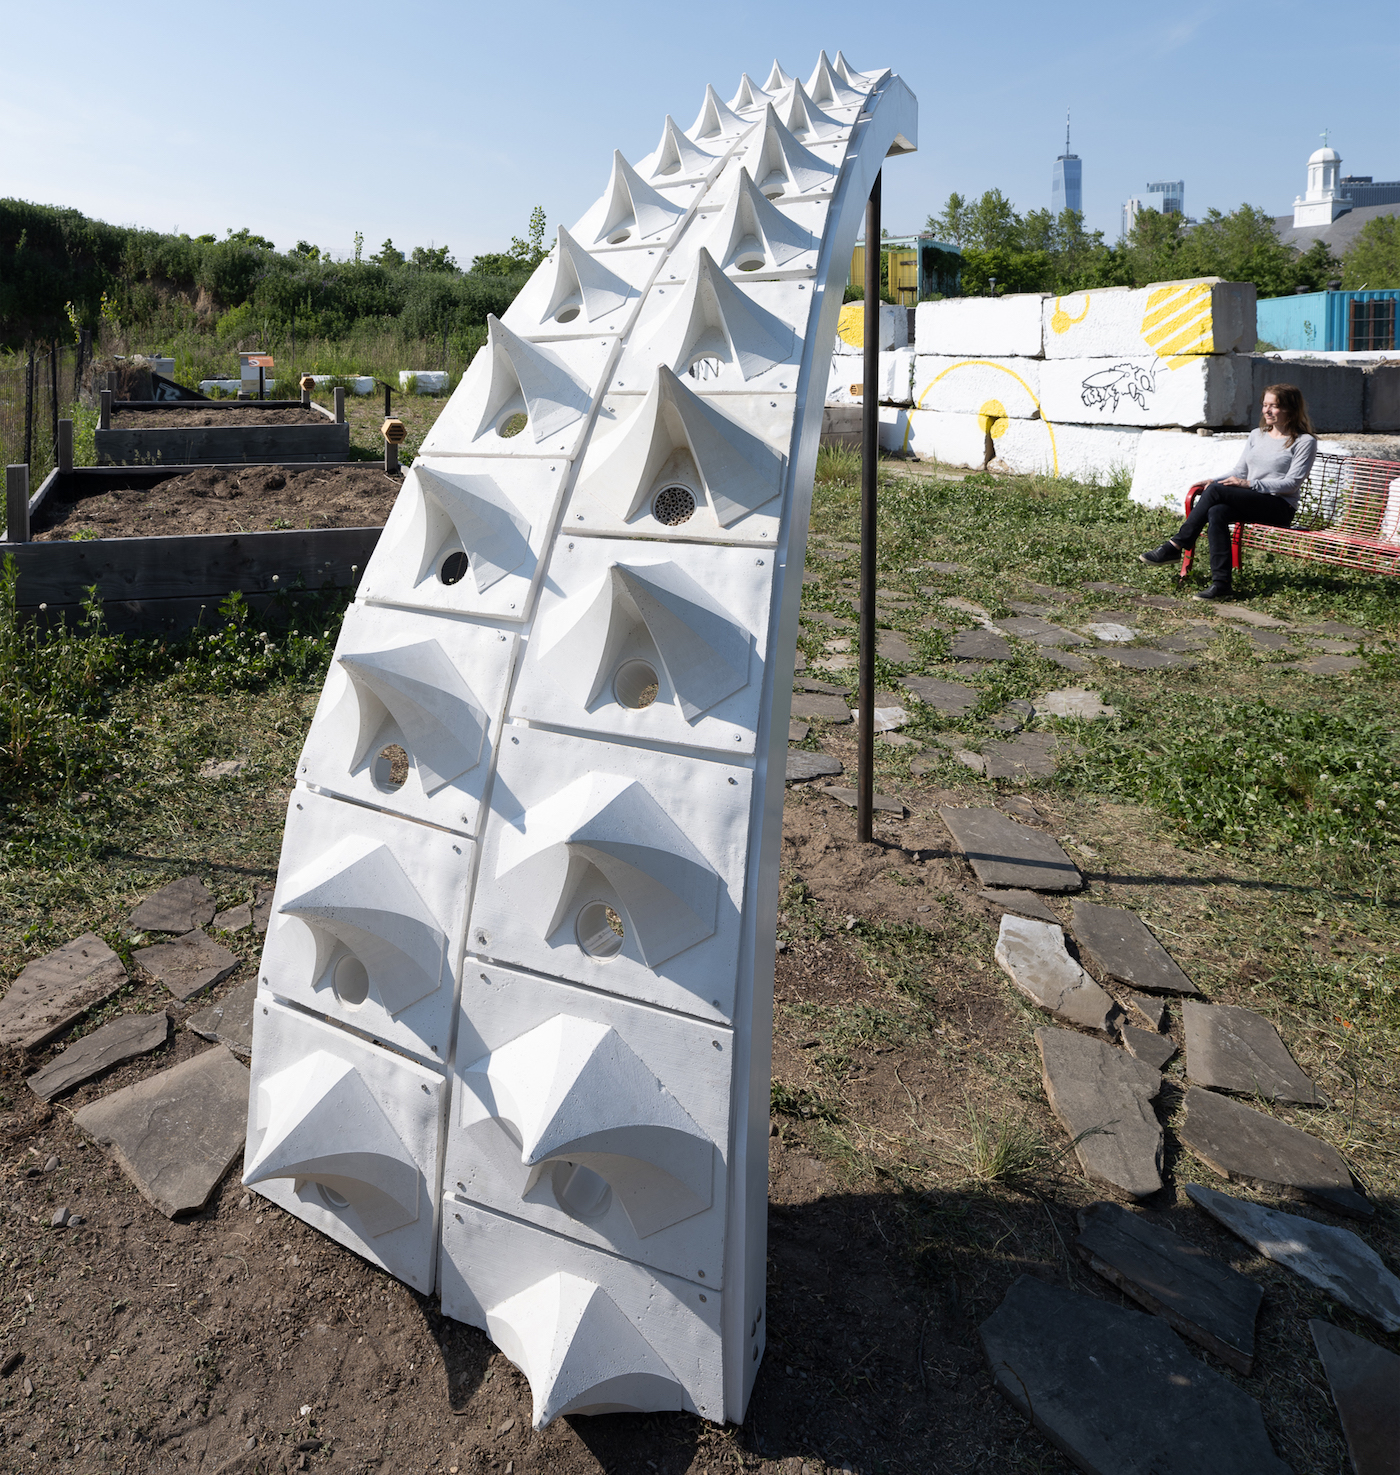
(218, 499)
(183, 419)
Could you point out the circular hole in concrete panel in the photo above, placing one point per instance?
(673, 505)
(350, 982)
(635, 685)
(334, 1201)
(454, 568)
(580, 1192)
(567, 313)
(509, 426)
(749, 260)
(618, 237)
(704, 367)
(599, 930)
(391, 768)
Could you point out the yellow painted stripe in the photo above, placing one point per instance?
(1175, 300)
(1165, 328)
(1001, 368)
(1194, 341)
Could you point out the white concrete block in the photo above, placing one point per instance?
(1203, 389)
(591, 1333)
(897, 376)
(423, 381)
(679, 465)
(345, 1136)
(594, 1118)
(551, 384)
(1007, 387)
(629, 214)
(1029, 447)
(367, 921)
(1091, 453)
(717, 123)
(354, 383)
(220, 386)
(433, 688)
(981, 327)
(1168, 320)
(466, 536)
(850, 328)
(725, 336)
(847, 383)
(652, 644)
(580, 828)
(1170, 462)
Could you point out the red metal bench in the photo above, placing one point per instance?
(1339, 519)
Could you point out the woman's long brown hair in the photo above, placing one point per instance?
(1289, 399)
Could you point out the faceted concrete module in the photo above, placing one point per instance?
(1117, 944)
(177, 1133)
(980, 645)
(801, 766)
(822, 708)
(1365, 1383)
(1023, 903)
(182, 906)
(1117, 1391)
(1249, 1147)
(230, 1021)
(1103, 1099)
(943, 696)
(1003, 853)
(1147, 1045)
(124, 1038)
(1335, 1259)
(1234, 1049)
(189, 965)
(1073, 701)
(1032, 954)
(1199, 1296)
(52, 993)
(1146, 659)
(881, 802)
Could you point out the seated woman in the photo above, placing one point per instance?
(1263, 487)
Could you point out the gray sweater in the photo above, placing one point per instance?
(1273, 466)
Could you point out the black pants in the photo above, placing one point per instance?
(1219, 506)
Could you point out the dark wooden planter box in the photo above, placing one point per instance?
(167, 585)
(222, 445)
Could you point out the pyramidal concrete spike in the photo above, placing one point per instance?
(827, 89)
(778, 79)
(524, 379)
(738, 472)
(582, 284)
(485, 520)
(784, 166)
(805, 120)
(860, 81)
(749, 96)
(676, 157)
(717, 120)
(630, 213)
(751, 234)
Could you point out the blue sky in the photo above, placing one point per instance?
(449, 122)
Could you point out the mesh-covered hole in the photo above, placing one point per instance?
(673, 505)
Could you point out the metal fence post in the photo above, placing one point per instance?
(16, 504)
(869, 465)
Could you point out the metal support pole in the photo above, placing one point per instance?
(65, 445)
(16, 504)
(262, 382)
(869, 465)
(388, 413)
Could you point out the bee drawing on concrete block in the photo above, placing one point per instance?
(1107, 386)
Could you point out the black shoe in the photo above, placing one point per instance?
(1216, 591)
(1167, 553)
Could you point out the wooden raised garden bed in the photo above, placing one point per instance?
(219, 433)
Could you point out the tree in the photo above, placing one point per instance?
(433, 258)
(1374, 258)
(245, 237)
(951, 225)
(305, 251)
(388, 255)
(523, 256)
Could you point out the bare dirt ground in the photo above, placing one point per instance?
(181, 419)
(218, 499)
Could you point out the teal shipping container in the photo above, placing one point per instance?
(1331, 322)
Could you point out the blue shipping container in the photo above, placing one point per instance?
(1331, 322)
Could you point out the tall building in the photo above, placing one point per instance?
(1067, 182)
(1173, 193)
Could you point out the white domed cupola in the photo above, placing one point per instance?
(1323, 202)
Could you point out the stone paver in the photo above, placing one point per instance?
(1197, 1295)
(1180, 641)
(827, 688)
(1365, 1384)
(1337, 627)
(884, 719)
(944, 568)
(1030, 755)
(1336, 647)
(881, 802)
(1249, 1147)
(1014, 716)
(1117, 1390)
(890, 645)
(824, 708)
(1338, 1261)
(1028, 627)
(803, 765)
(1154, 1011)
(189, 965)
(1270, 639)
(1103, 1097)
(1003, 853)
(1144, 658)
(176, 1134)
(980, 645)
(943, 696)
(230, 1020)
(1032, 955)
(1023, 903)
(1148, 1045)
(229, 768)
(110, 1044)
(1117, 944)
(52, 993)
(182, 906)
(963, 606)
(1112, 632)
(1331, 665)
(1235, 1049)
(1072, 701)
(262, 910)
(1254, 617)
(235, 919)
(1064, 658)
(797, 731)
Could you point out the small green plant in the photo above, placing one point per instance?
(798, 1101)
(1000, 1149)
(838, 464)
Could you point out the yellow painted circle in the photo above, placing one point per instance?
(992, 418)
(850, 326)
